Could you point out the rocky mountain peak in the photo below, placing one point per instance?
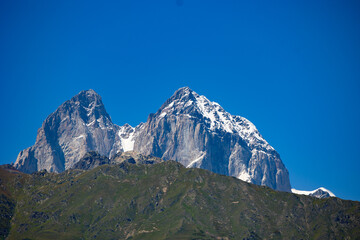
(179, 102)
(182, 92)
(187, 103)
(89, 104)
(197, 132)
(89, 100)
(79, 125)
(89, 95)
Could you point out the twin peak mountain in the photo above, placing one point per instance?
(188, 128)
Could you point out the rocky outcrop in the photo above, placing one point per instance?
(135, 158)
(93, 159)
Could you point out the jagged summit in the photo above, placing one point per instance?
(192, 105)
(197, 132)
(87, 108)
(88, 103)
(183, 91)
(87, 94)
(88, 99)
(79, 125)
(181, 95)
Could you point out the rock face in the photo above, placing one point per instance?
(187, 128)
(76, 127)
(199, 133)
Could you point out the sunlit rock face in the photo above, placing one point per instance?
(199, 133)
(79, 125)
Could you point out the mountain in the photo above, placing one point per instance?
(188, 128)
(163, 201)
(199, 133)
(79, 125)
(319, 193)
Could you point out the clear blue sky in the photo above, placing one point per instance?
(290, 67)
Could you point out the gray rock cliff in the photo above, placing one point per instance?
(79, 125)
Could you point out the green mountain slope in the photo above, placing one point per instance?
(165, 201)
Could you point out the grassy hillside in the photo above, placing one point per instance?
(165, 201)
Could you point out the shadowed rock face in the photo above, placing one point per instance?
(76, 127)
(187, 128)
(93, 159)
(135, 158)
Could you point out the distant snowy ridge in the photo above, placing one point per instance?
(319, 193)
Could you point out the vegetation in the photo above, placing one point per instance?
(163, 201)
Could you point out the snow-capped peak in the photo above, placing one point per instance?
(187, 102)
(319, 192)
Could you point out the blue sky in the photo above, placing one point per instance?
(290, 67)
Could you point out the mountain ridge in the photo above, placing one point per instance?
(187, 128)
(164, 201)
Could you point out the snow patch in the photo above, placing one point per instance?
(126, 135)
(196, 160)
(222, 120)
(164, 111)
(169, 106)
(245, 176)
(188, 103)
(128, 143)
(80, 136)
(64, 119)
(91, 108)
(163, 114)
(89, 124)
